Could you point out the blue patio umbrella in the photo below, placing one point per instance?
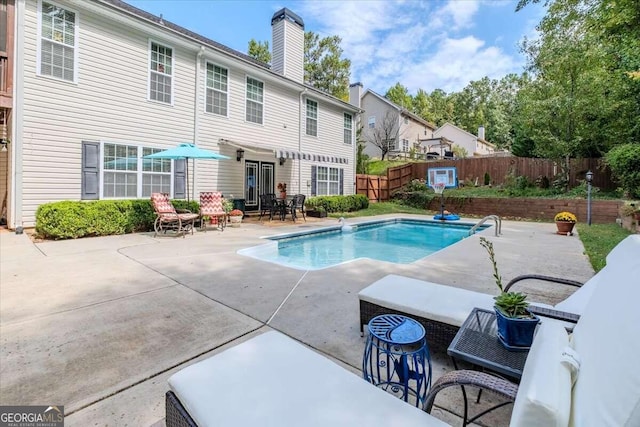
(186, 151)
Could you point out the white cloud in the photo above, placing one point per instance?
(424, 45)
(461, 12)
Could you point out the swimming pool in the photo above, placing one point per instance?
(401, 241)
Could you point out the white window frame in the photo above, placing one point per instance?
(405, 145)
(207, 88)
(76, 37)
(139, 172)
(348, 128)
(308, 117)
(172, 75)
(246, 99)
(371, 122)
(328, 181)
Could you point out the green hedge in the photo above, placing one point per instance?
(71, 220)
(348, 203)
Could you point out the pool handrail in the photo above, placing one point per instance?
(496, 218)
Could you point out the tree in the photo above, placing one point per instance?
(442, 108)
(385, 133)
(422, 104)
(260, 50)
(399, 95)
(324, 67)
(362, 159)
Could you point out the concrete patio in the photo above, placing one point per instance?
(99, 324)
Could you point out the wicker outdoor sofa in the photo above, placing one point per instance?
(441, 309)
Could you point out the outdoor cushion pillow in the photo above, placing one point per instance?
(544, 395)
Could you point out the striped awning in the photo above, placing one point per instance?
(297, 155)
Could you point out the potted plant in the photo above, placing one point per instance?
(235, 218)
(282, 188)
(319, 212)
(516, 325)
(565, 221)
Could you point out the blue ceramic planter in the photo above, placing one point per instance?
(515, 333)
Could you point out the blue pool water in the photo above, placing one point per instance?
(400, 240)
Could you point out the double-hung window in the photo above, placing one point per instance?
(372, 122)
(255, 100)
(217, 89)
(127, 175)
(160, 73)
(405, 145)
(348, 128)
(58, 42)
(312, 118)
(328, 181)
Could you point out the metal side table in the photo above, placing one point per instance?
(477, 343)
(396, 358)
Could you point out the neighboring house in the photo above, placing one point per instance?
(475, 145)
(102, 84)
(388, 125)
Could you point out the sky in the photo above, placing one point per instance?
(426, 44)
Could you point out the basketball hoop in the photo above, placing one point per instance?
(438, 187)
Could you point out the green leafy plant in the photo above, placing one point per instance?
(227, 205)
(624, 161)
(511, 304)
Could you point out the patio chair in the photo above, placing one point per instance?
(298, 206)
(268, 203)
(211, 206)
(168, 219)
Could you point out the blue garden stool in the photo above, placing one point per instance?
(396, 358)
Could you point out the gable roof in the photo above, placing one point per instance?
(400, 109)
(468, 133)
(158, 21)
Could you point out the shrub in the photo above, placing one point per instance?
(624, 161)
(71, 219)
(487, 178)
(348, 203)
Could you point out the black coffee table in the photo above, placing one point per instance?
(477, 343)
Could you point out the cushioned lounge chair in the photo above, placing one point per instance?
(168, 219)
(211, 206)
(442, 309)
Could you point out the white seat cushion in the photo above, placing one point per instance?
(544, 395)
(607, 390)
(271, 380)
(446, 304)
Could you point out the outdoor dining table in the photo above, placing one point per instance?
(282, 204)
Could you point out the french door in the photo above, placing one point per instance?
(259, 179)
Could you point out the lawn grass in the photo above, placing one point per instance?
(379, 167)
(380, 209)
(598, 240)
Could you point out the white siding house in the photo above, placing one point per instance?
(475, 145)
(407, 129)
(103, 83)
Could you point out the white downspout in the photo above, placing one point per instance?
(196, 116)
(304, 91)
(17, 137)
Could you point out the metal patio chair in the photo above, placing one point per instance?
(211, 206)
(168, 219)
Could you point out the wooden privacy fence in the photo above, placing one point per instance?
(379, 188)
(376, 188)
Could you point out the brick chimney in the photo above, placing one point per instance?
(355, 94)
(287, 34)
